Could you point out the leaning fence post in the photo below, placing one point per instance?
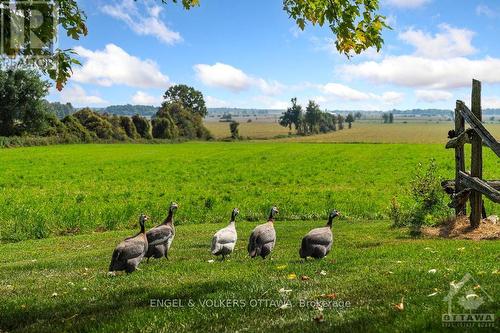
(477, 156)
(459, 158)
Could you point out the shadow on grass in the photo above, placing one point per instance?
(82, 315)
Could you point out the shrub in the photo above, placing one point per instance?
(76, 129)
(118, 131)
(54, 127)
(189, 124)
(142, 126)
(164, 128)
(233, 127)
(425, 203)
(129, 127)
(95, 123)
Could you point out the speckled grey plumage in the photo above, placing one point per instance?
(263, 238)
(318, 242)
(129, 253)
(160, 238)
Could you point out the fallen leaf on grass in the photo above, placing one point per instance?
(433, 294)
(461, 249)
(283, 290)
(292, 276)
(432, 271)
(305, 278)
(400, 306)
(330, 296)
(319, 318)
(54, 294)
(211, 261)
(322, 273)
(282, 267)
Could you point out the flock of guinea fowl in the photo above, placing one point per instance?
(157, 241)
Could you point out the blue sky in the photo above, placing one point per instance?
(248, 53)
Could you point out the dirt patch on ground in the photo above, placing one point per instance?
(460, 229)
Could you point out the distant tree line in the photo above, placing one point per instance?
(388, 117)
(312, 120)
(25, 113)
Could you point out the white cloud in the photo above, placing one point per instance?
(392, 97)
(486, 11)
(232, 78)
(346, 93)
(432, 96)
(213, 102)
(413, 71)
(450, 42)
(76, 95)
(222, 75)
(269, 87)
(343, 92)
(143, 98)
(491, 103)
(406, 3)
(149, 24)
(115, 66)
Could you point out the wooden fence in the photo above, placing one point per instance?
(471, 186)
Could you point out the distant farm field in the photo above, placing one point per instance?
(411, 132)
(71, 189)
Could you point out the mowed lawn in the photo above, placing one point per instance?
(362, 131)
(73, 189)
(60, 284)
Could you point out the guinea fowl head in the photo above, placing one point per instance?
(273, 212)
(142, 221)
(235, 213)
(173, 207)
(333, 214)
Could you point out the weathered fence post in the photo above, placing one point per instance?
(476, 201)
(459, 159)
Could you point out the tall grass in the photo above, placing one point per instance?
(83, 188)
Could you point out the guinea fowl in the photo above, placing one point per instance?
(160, 237)
(224, 240)
(318, 242)
(129, 253)
(263, 237)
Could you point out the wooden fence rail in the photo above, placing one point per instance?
(471, 186)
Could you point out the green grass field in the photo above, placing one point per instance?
(84, 199)
(60, 284)
(82, 188)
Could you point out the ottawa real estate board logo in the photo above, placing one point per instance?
(465, 299)
(28, 30)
